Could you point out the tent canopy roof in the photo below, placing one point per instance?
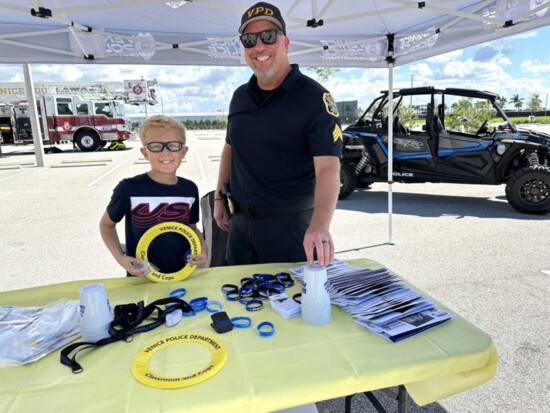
(354, 33)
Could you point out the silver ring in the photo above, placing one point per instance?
(324, 241)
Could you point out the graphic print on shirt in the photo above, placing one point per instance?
(149, 211)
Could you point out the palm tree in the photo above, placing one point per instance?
(517, 102)
(535, 104)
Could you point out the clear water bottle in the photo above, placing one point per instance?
(315, 296)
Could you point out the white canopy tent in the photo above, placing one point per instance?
(338, 33)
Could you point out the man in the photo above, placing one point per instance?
(281, 155)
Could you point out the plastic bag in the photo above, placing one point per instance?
(29, 333)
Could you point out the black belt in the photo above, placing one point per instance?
(259, 211)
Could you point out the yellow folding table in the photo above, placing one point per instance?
(297, 365)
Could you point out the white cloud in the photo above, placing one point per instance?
(446, 57)
(535, 67)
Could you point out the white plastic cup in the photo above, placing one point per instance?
(315, 296)
(95, 312)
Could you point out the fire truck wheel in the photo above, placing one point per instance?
(87, 141)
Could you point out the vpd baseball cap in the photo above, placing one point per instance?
(263, 11)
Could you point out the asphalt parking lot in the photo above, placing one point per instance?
(462, 244)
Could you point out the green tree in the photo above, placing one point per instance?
(502, 101)
(517, 102)
(323, 72)
(467, 115)
(534, 104)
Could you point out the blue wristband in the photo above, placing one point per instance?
(213, 306)
(265, 329)
(198, 304)
(241, 322)
(229, 288)
(254, 305)
(232, 296)
(178, 293)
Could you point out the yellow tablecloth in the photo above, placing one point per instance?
(299, 364)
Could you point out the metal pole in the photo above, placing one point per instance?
(35, 125)
(390, 154)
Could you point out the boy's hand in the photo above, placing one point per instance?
(136, 266)
(198, 259)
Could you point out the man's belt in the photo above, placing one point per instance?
(259, 211)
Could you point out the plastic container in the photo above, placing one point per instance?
(315, 296)
(95, 312)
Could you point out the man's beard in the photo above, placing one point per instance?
(266, 75)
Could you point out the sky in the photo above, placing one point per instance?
(517, 64)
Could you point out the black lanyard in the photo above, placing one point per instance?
(126, 323)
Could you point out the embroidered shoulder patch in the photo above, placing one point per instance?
(330, 104)
(337, 133)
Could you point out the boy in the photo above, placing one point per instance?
(154, 197)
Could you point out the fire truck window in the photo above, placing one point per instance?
(103, 109)
(82, 109)
(64, 109)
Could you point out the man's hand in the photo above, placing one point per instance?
(221, 216)
(319, 240)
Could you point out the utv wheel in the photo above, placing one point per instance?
(528, 190)
(348, 180)
(87, 141)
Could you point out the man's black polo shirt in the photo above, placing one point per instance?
(273, 142)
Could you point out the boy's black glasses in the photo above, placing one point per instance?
(268, 37)
(174, 146)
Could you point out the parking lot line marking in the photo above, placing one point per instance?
(15, 175)
(201, 168)
(95, 181)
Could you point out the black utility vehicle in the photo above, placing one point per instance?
(452, 136)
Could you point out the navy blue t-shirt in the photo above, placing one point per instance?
(274, 139)
(144, 203)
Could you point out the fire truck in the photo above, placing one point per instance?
(89, 114)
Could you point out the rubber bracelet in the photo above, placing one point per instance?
(241, 322)
(229, 288)
(189, 313)
(297, 297)
(232, 296)
(265, 329)
(178, 293)
(198, 304)
(213, 306)
(243, 299)
(264, 277)
(285, 279)
(254, 305)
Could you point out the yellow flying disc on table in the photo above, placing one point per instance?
(141, 371)
(162, 228)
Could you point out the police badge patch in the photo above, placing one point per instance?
(330, 104)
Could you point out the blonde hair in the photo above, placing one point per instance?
(161, 121)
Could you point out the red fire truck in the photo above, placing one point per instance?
(90, 114)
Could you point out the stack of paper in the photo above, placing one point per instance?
(284, 305)
(379, 300)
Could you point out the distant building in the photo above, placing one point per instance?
(181, 116)
(347, 111)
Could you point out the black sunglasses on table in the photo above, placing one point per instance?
(173, 146)
(268, 37)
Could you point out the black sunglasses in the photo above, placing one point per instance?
(268, 37)
(174, 146)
